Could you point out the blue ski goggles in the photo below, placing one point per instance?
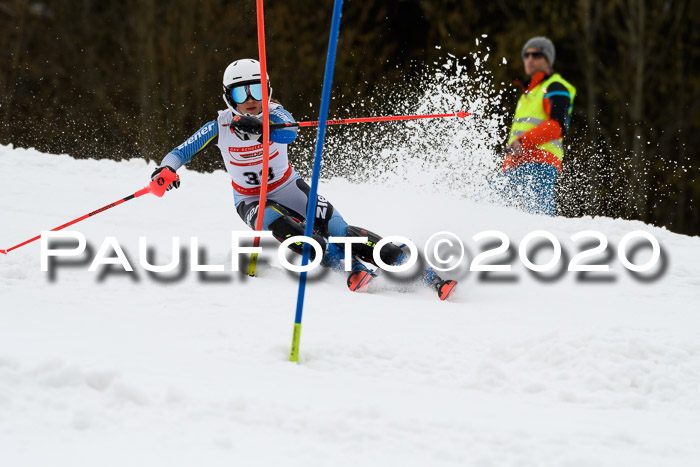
(240, 94)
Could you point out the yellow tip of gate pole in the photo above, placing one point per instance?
(251, 265)
(294, 356)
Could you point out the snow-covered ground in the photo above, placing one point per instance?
(115, 369)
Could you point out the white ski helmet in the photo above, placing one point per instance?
(238, 73)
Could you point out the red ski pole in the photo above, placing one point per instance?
(342, 121)
(156, 187)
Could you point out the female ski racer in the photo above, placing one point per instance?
(238, 134)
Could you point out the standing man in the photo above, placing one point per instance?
(535, 151)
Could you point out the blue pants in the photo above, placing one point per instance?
(530, 186)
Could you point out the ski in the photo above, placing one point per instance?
(359, 279)
(446, 289)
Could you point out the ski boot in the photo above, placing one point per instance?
(444, 288)
(359, 277)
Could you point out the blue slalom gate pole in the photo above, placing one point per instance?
(311, 209)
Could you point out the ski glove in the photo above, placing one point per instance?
(247, 128)
(175, 184)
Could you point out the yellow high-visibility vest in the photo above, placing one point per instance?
(530, 112)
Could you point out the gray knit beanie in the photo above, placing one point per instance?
(542, 44)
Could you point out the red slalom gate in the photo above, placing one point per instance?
(266, 135)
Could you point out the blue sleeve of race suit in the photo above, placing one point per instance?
(182, 154)
(283, 135)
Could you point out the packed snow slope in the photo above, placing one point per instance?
(112, 368)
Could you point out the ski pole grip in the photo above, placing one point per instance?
(162, 182)
(279, 126)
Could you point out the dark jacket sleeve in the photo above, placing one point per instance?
(559, 104)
